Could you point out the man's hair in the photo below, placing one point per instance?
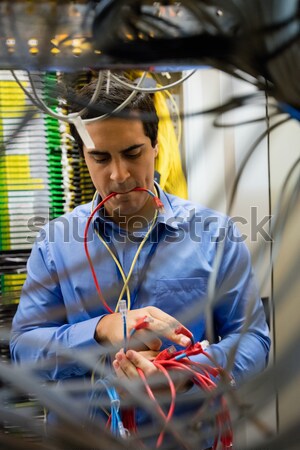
(142, 104)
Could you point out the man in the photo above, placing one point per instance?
(168, 271)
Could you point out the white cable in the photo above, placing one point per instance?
(152, 90)
(70, 117)
(121, 106)
(83, 133)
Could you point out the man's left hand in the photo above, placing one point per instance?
(126, 364)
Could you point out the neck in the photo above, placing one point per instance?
(138, 221)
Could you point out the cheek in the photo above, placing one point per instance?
(97, 175)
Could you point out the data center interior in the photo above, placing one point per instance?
(226, 74)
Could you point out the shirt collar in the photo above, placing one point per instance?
(167, 217)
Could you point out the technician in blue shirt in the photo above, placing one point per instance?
(60, 307)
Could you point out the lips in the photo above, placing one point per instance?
(127, 191)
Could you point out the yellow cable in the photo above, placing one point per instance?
(126, 279)
(135, 259)
(168, 161)
(175, 106)
(120, 270)
(115, 260)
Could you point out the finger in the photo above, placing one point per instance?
(121, 376)
(147, 337)
(149, 354)
(119, 372)
(139, 361)
(165, 325)
(127, 367)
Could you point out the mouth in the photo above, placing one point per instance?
(122, 192)
(121, 196)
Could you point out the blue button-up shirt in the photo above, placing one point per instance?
(59, 306)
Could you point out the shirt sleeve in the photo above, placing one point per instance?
(41, 334)
(239, 317)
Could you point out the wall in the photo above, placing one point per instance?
(213, 157)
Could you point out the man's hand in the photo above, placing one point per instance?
(125, 366)
(110, 329)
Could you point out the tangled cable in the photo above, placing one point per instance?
(199, 374)
(122, 422)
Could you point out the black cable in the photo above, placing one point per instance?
(247, 157)
(74, 98)
(151, 19)
(271, 300)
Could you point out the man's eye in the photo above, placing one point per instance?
(133, 154)
(101, 160)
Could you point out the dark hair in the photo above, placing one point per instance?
(142, 103)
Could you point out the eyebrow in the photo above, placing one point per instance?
(104, 152)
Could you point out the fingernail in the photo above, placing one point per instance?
(119, 357)
(129, 354)
(185, 341)
(116, 364)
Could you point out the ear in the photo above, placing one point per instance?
(156, 150)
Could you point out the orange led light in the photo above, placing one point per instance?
(33, 50)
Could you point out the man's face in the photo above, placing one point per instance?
(123, 159)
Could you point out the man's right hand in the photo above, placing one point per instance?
(109, 329)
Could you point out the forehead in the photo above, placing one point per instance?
(116, 126)
(114, 134)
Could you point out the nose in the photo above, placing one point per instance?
(119, 172)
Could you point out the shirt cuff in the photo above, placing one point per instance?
(82, 334)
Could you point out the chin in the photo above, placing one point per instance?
(129, 211)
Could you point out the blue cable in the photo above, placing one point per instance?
(293, 112)
(116, 427)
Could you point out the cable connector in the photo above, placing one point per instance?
(123, 312)
(124, 433)
(167, 353)
(159, 205)
(205, 344)
(143, 323)
(195, 349)
(123, 308)
(183, 330)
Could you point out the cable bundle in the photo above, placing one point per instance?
(200, 374)
(53, 149)
(23, 169)
(171, 360)
(166, 361)
(78, 187)
(258, 37)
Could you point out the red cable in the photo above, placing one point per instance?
(196, 376)
(158, 205)
(172, 405)
(108, 422)
(150, 392)
(128, 419)
(87, 250)
(184, 364)
(224, 433)
(167, 417)
(202, 380)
